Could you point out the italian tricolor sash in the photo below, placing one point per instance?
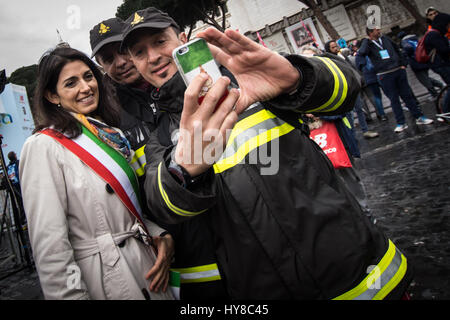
(108, 164)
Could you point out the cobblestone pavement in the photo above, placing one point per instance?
(407, 182)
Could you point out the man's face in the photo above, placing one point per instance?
(151, 53)
(334, 48)
(118, 65)
(376, 33)
(432, 14)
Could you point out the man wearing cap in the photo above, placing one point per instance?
(138, 118)
(284, 225)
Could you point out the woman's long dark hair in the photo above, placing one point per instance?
(49, 114)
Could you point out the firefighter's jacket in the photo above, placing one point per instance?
(143, 114)
(284, 225)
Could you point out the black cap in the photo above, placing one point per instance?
(147, 18)
(105, 32)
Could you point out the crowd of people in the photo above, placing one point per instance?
(130, 209)
(381, 63)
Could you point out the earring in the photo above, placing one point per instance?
(59, 105)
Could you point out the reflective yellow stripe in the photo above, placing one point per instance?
(140, 152)
(169, 204)
(249, 122)
(141, 171)
(204, 273)
(340, 84)
(388, 273)
(336, 86)
(346, 122)
(393, 282)
(248, 146)
(345, 90)
(139, 161)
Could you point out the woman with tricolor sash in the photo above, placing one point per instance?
(81, 197)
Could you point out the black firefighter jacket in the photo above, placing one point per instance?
(284, 225)
(144, 115)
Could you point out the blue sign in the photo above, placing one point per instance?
(16, 121)
(342, 43)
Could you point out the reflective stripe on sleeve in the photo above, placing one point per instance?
(139, 161)
(204, 273)
(382, 279)
(340, 88)
(170, 205)
(249, 134)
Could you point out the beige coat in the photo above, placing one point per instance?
(77, 229)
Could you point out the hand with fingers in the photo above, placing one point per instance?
(204, 127)
(159, 273)
(261, 73)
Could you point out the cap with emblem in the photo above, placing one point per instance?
(147, 18)
(105, 32)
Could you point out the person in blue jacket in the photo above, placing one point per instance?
(366, 67)
(409, 44)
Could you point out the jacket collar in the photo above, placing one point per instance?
(170, 96)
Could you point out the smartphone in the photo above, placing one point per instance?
(193, 58)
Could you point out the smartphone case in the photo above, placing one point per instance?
(195, 57)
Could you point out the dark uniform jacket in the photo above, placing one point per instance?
(395, 60)
(137, 119)
(439, 41)
(144, 114)
(284, 225)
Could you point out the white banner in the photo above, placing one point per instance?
(339, 19)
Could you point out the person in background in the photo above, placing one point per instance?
(344, 126)
(81, 196)
(13, 174)
(430, 14)
(440, 62)
(372, 86)
(309, 51)
(409, 44)
(13, 171)
(332, 47)
(389, 65)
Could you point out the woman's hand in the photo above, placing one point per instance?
(159, 273)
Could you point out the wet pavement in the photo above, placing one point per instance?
(407, 178)
(407, 183)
